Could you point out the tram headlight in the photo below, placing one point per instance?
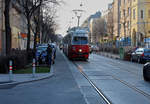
(80, 50)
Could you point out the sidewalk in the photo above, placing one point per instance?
(110, 55)
(21, 78)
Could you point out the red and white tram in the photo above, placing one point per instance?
(76, 44)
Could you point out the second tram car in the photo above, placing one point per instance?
(76, 44)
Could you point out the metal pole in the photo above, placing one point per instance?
(10, 70)
(78, 20)
(33, 69)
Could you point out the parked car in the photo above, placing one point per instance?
(40, 52)
(94, 48)
(90, 48)
(146, 72)
(141, 55)
(61, 46)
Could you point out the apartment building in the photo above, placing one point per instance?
(140, 27)
(116, 18)
(110, 22)
(125, 22)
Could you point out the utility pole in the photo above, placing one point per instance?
(124, 25)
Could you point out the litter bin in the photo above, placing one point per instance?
(121, 53)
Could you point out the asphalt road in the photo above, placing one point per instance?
(121, 81)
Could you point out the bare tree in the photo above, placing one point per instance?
(48, 25)
(35, 27)
(99, 28)
(28, 9)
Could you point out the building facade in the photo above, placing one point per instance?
(91, 21)
(140, 30)
(116, 18)
(18, 26)
(125, 22)
(110, 22)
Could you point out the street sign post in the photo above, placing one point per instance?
(10, 70)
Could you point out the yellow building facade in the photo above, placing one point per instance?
(125, 19)
(116, 18)
(140, 25)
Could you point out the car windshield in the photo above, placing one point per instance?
(41, 49)
(80, 40)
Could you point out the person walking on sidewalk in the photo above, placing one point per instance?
(49, 54)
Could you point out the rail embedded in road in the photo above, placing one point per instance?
(93, 85)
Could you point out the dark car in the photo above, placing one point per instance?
(141, 55)
(41, 53)
(40, 49)
(61, 46)
(146, 72)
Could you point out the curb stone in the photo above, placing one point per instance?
(13, 83)
(109, 56)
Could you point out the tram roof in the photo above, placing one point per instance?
(78, 31)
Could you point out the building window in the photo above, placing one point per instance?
(128, 23)
(133, 13)
(142, 14)
(129, 11)
(124, 13)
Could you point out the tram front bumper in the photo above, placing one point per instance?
(80, 55)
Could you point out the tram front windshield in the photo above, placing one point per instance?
(80, 40)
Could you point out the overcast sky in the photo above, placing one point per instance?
(65, 13)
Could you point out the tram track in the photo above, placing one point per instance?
(93, 85)
(127, 84)
(121, 81)
(100, 92)
(132, 87)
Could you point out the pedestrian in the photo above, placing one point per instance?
(49, 55)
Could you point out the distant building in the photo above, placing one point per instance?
(95, 16)
(110, 22)
(88, 23)
(116, 18)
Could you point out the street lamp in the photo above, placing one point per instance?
(78, 13)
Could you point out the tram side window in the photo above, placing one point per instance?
(80, 40)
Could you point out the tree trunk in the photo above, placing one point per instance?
(7, 27)
(29, 33)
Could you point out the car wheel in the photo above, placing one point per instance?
(144, 76)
